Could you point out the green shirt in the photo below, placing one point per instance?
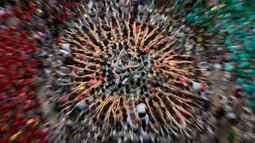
(251, 104)
(231, 137)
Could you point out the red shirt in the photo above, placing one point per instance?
(67, 4)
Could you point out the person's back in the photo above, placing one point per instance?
(196, 87)
(223, 100)
(220, 112)
(217, 67)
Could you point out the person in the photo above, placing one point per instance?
(195, 87)
(237, 92)
(220, 112)
(141, 111)
(133, 122)
(223, 100)
(225, 80)
(232, 117)
(217, 67)
(231, 137)
(234, 101)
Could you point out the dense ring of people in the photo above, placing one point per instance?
(124, 71)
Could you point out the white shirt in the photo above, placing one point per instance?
(90, 4)
(196, 86)
(223, 100)
(231, 115)
(234, 99)
(82, 104)
(66, 47)
(64, 52)
(217, 66)
(141, 108)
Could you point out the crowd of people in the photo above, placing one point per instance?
(126, 71)
(21, 114)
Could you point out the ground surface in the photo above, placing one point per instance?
(223, 129)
